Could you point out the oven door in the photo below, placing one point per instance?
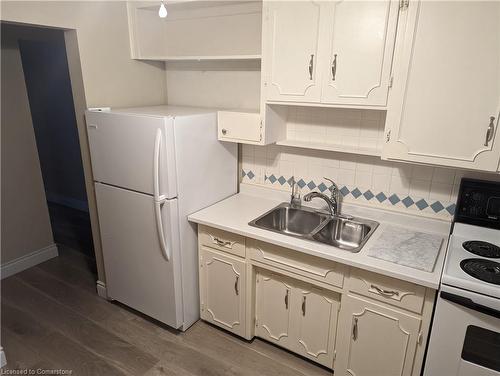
(465, 337)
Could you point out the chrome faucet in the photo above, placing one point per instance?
(295, 197)
(333, 201)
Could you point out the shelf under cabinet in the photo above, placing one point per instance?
(203, 58)
(331, 147)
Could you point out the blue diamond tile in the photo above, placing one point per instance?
(322, 187)
(281, 180)
(250, 175)
(272, 179)
(451, 209)
(421, 204)
(311, 185)
(437, 207)
(407, 201)
(356, 192)
(290, 181)
(381, 197)
(301, 183)
(394, 199)
(368, 195)
(344, 191)
(243, 173)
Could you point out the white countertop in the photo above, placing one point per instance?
(234, 213)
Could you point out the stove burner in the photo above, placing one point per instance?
(485, 270)
(483, 249)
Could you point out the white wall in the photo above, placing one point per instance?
(214, 84)
(110, 77)
(25, 218)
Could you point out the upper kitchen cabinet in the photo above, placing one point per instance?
(444, 105)
(328, 52)
(196, 30)
(357, 67)
(292, 46)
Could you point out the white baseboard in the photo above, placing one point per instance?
(3, 359)
(101, 289)
(28, 261)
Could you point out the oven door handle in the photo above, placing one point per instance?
(469, 303)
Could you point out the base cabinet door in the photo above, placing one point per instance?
(222, 290)
(315, 323)
(374, 340)
(273, 311)
(297, 316)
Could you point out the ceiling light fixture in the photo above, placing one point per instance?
(162, 12)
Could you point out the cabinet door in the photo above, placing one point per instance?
(444, 105)
(222, 290)
(292, 47)
(375, 340)
(315, 322)
(273, 309)
(360, 46)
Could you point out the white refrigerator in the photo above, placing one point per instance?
(152, 167)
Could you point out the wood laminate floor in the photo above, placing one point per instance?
(53, 319)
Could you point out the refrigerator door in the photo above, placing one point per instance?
(133, 152)
(138, 273)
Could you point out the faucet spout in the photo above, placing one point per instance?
(332, 206)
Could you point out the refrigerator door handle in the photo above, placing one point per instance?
(159, 227)
(159, 200)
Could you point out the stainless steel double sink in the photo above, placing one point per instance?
(344, 232)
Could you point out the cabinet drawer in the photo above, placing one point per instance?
(386, 289)
(309, 266)
(221, 240)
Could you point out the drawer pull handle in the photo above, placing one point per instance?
(236, 288)
(303, 306)
(355, 329)
(387, 293)
(222, 243)
(286, 299)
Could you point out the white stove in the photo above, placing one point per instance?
(465, 335)
(488, 243)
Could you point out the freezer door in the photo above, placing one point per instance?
(137, 271)
(133, 152)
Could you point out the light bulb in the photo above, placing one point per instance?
(163, 10)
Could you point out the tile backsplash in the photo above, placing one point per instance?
(347, 127)
(361, 179)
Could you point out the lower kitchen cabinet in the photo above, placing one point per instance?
(375, 340)
(297, 316)
(222, 290)
(356, 322)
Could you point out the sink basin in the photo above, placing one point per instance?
(292, 221)
(346, 233)
(343, 232)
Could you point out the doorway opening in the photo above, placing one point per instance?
(48, 87)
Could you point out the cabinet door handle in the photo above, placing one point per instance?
(383, 292)
(355, 329)
(303, 306)
(286, 299)
(334, 67)
(224, 131)
(236, 288)
(311, 67)
(490, 131)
